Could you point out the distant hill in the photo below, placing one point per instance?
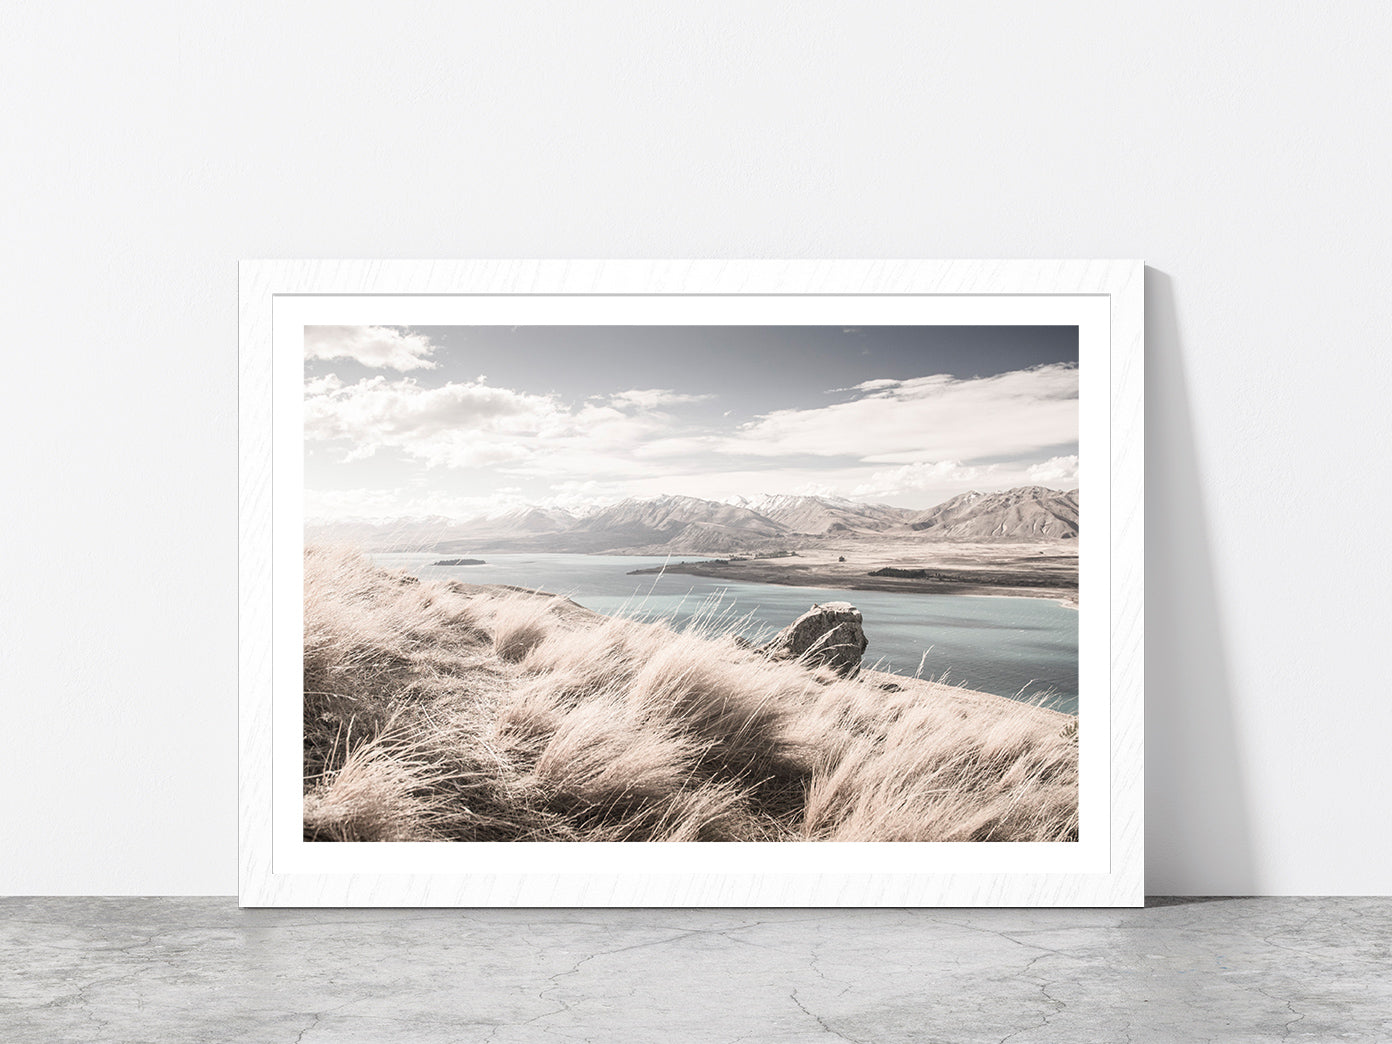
(1025, 513)
(689, 525)
(534, 520)
(662, 524)
(521, 523)
(663, 519)
(822, 515)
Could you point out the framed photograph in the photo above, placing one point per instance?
(691, 583)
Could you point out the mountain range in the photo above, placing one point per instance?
(689, 525)
(1025, 513)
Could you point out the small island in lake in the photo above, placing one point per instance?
(460, 561)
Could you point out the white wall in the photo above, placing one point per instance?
(1243, 152)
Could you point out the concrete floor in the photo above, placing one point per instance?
(174, 970)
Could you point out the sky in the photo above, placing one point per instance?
(464, 421)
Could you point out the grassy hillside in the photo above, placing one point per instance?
(442, 711)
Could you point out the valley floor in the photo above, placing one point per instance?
(1020, 570)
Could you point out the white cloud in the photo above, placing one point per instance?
(651, 398)
(472, 424)
(1056, 469)
(321, 505)
(878, 384)
(581, 496)
(317, 386)
(922, 476)
(926, 418)
(468, 424)
(378, 347)
(325, 505)
(815, 489)
(909, 442)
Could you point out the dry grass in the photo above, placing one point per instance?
(439, 711)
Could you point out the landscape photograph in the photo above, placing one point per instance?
(691, 583)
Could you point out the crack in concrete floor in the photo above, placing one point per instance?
(1241, 970)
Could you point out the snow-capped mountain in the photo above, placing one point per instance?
(829, 515)
(524, 520)
(689, 525)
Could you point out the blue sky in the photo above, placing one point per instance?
(462, 421)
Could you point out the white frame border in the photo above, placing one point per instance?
(1120, 282)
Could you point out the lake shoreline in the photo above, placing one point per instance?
(946, 582)
(580, 727)
(986, 634)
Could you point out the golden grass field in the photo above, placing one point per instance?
(439, 711)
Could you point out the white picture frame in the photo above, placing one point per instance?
(1103, 868)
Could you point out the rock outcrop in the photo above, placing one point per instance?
(830, 635)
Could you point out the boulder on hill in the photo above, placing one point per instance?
(830, 635)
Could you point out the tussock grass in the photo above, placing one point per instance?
(442, 711)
